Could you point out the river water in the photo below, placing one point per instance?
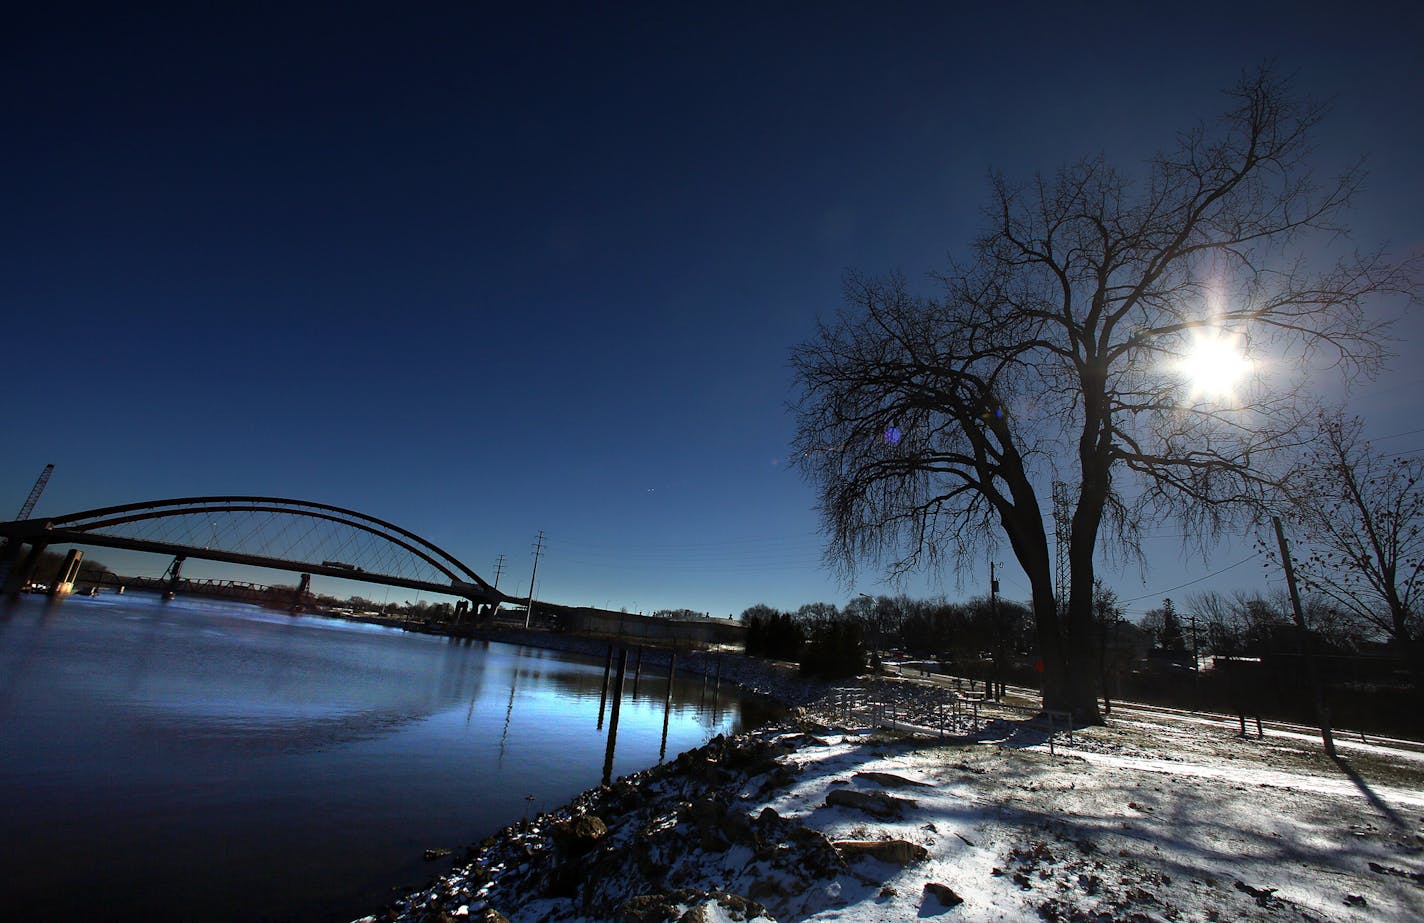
(198, 759)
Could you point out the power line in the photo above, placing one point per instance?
(1410, 432)
(1179, 586)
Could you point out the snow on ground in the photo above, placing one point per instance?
(1083, 835)
(1150, 818)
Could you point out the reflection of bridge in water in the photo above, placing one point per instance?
(289, 535)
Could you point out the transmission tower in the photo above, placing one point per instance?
(498, 569)
(1062, 529)
(33, 498)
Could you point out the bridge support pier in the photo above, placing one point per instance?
(21, 574)
(174, 574)
(303, 590)
(9, 557)
(68, 573)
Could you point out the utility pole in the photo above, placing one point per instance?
(998, 633)
(498, 569)
(1196, 661)
(529, 609)
(1322, 712)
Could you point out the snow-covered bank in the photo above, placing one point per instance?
(822, 822)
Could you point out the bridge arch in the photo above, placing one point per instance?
(276, 532)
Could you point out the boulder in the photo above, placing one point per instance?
(944, 894)
(737, 826)
(876, 803)
(578, 835)
(688, 905)
(890, 780)
(708, 810)
(896, 852)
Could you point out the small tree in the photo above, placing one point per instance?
(1107, 623)
(1166, 628)
(836, 649)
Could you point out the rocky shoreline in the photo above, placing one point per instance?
(675, 843)
(671, 820)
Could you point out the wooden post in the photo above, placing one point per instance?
(1312, 671)
(667, 704)
(613, 719)
(603, 696)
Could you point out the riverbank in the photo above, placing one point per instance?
(826, 818)
(773, 679)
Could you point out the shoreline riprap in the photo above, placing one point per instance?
(808, 819)
(654, 846)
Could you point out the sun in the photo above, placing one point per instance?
(1214, 364)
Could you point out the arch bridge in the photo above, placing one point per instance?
(283, 534)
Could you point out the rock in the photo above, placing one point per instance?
(737, 826)
(579, 834)
(780, 776)
(890, 780)
(701, 907)
(876, 803)
(647, 908)
(943, 893)
(1262, 895)
(817, 856)
(768, 815)
(1416, 877)
(707, 810)
(766, 887)
(436, 853)
(896, 852)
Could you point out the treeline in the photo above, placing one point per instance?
(821, 639)
(826, 640)
(1238, 653)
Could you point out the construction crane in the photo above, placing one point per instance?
(35, 492)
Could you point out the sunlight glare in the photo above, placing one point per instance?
(1213, 364)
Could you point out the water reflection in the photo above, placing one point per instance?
(613, 721)
(144, 736)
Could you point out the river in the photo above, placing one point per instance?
(197, 759)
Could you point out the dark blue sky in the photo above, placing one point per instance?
(487, 273)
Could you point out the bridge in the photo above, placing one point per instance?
(288, 535)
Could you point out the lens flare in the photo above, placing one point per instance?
(1214, 364)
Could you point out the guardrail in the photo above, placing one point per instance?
(936, 711)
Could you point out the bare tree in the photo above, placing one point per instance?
(1361, 516)
(932, 426)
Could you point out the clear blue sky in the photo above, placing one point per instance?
(483, 274)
